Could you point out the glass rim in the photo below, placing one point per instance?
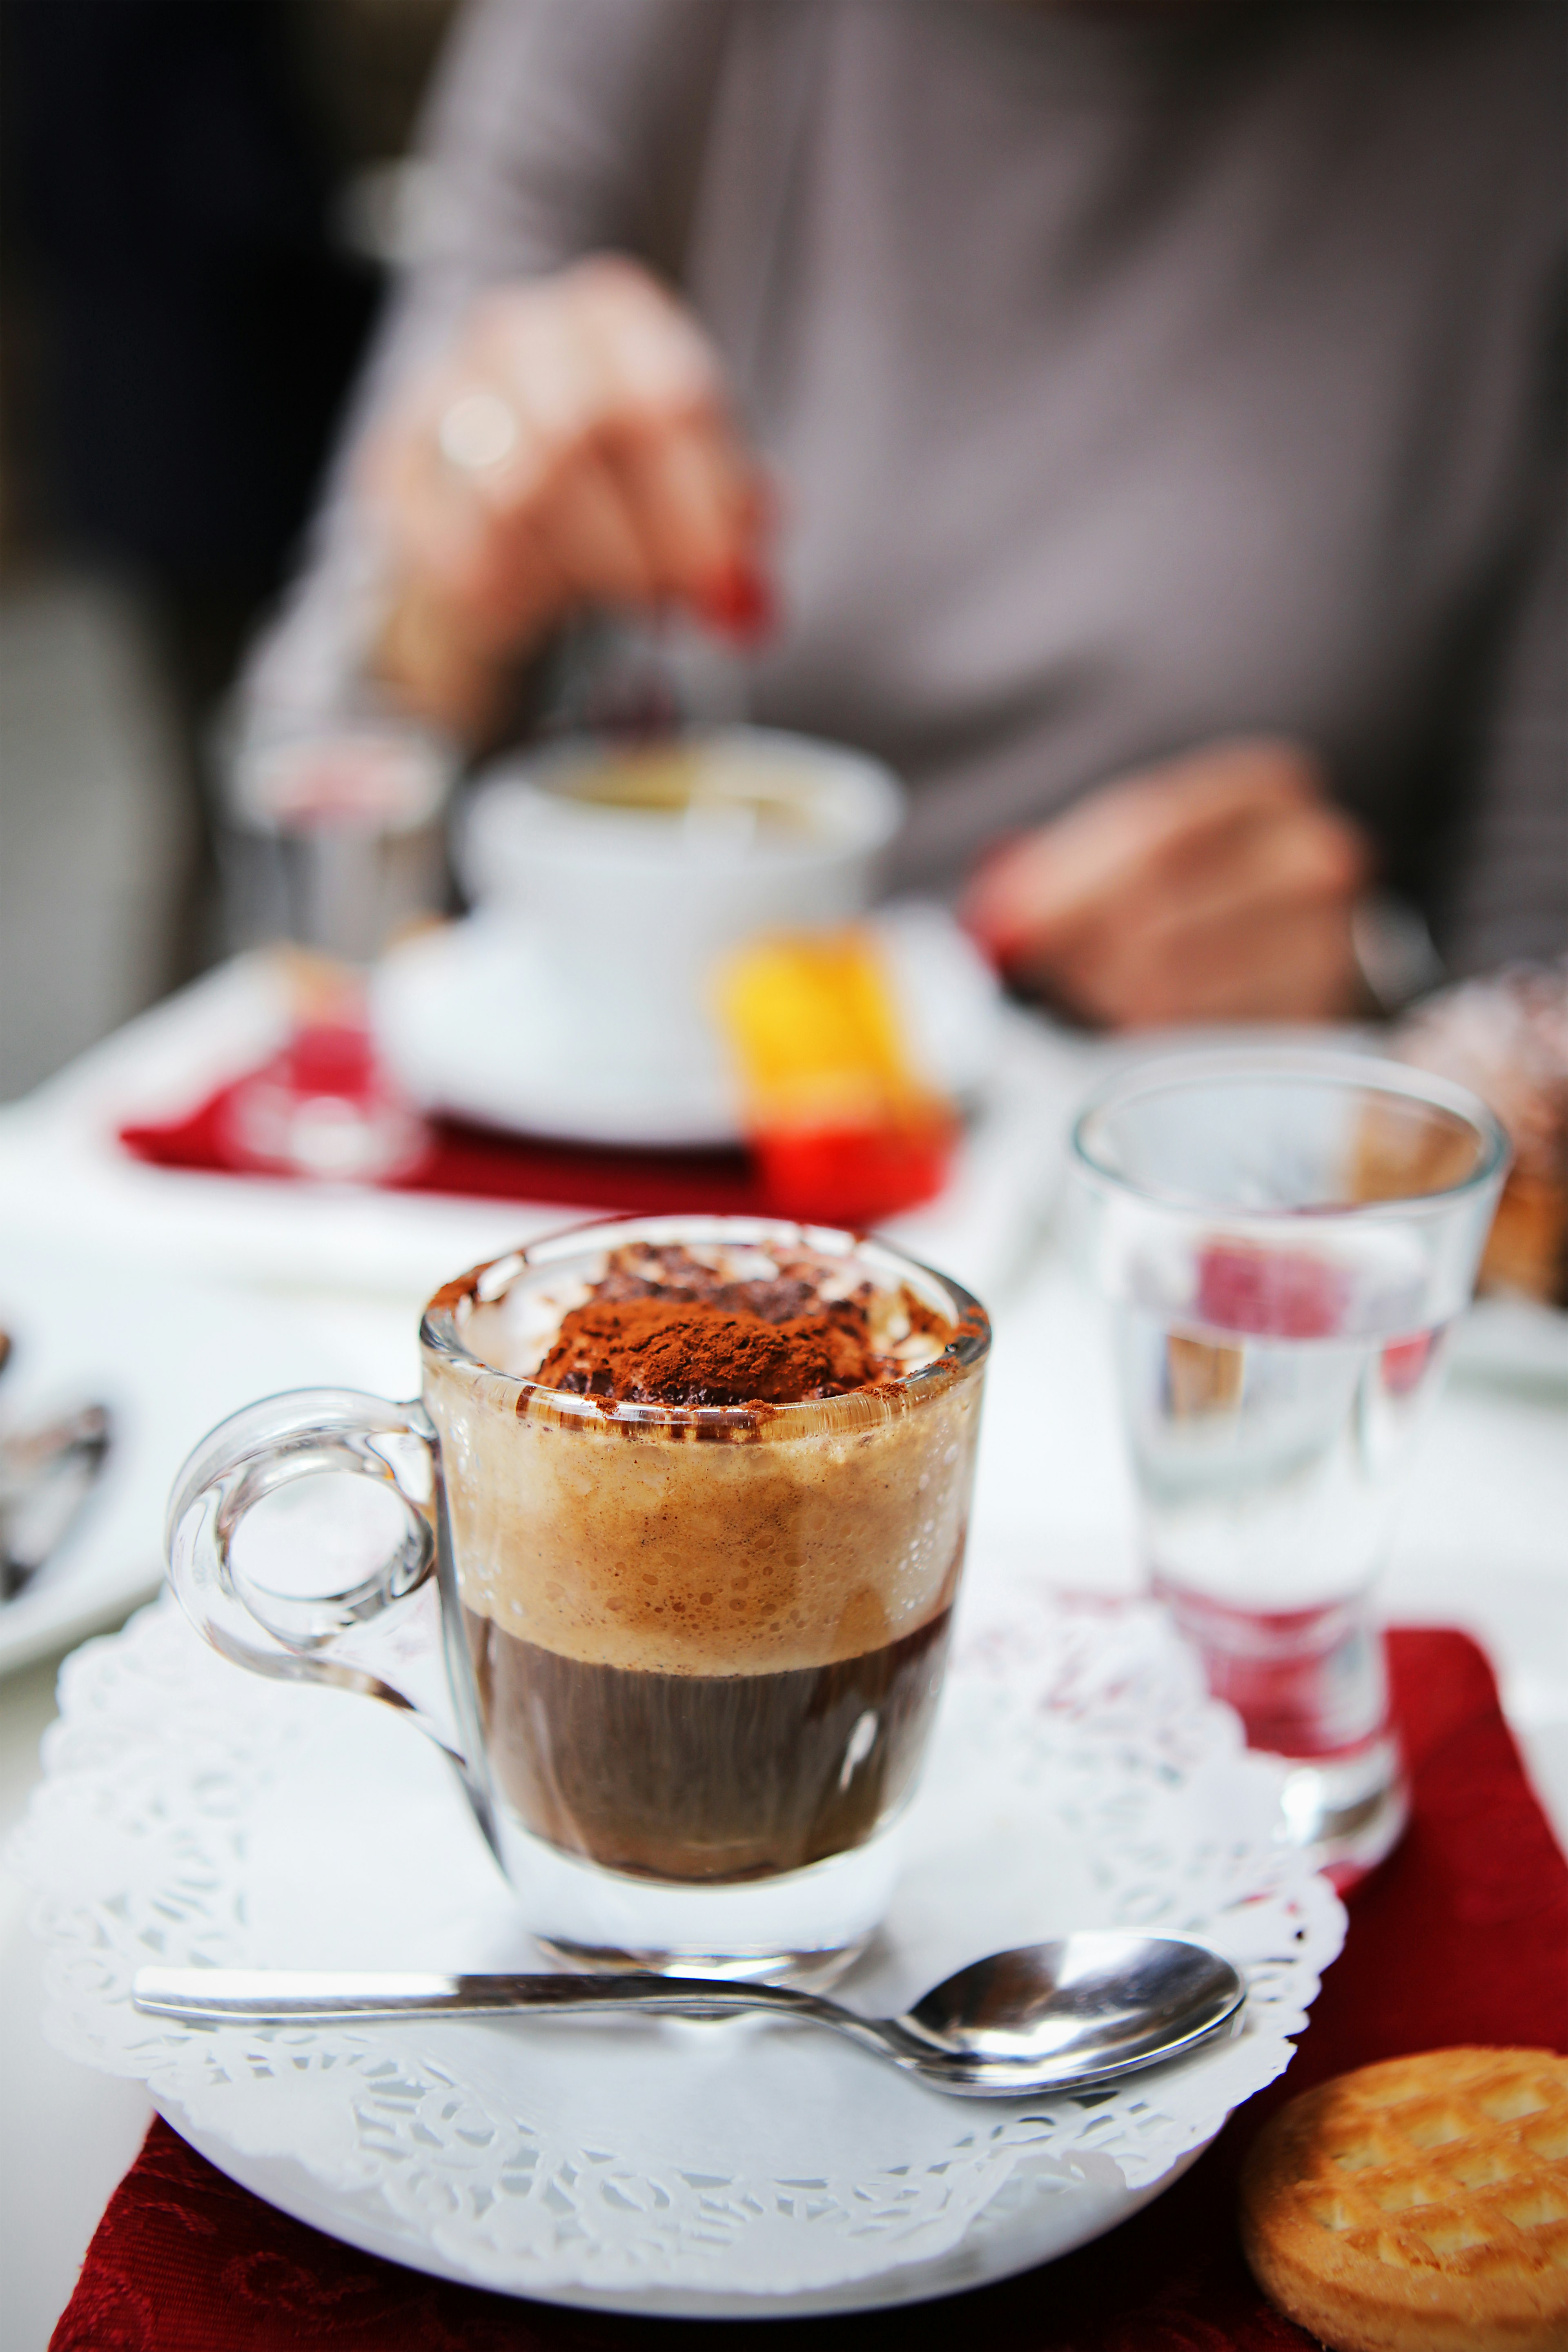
(1369, 1074)
(247, 733)
(487, 1283)
(863, 818)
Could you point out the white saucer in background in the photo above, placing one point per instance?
(479, 1020)
(170, 1357)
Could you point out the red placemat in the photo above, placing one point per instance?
(1461, 1937)
(844, 1176)
(487, 1165)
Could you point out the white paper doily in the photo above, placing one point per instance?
(193, 1813)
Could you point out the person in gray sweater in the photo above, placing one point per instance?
(1141, 421)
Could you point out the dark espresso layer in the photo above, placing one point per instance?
(704, 1778)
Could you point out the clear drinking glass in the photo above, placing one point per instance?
(692, 1654)
(331, 840)
(1286, 1237)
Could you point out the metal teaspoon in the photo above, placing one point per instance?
(1045, 2018)
(45, 1476)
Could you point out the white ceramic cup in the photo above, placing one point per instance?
(635, 904)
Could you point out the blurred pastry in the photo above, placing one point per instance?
(1505, 1038)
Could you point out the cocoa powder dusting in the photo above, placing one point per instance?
(643, 1350)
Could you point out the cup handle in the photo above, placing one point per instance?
(339, 1638)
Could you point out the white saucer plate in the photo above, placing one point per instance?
(1080, 1777)
(478, 1019)
(169, 1357)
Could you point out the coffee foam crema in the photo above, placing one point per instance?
(817, 1534)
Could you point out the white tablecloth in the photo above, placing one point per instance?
(269, 1275)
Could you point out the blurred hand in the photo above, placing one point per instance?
(575, 449)
(1218, 887)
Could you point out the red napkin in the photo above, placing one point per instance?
(1461, 1937)
(488, 1165)
(849, 1177)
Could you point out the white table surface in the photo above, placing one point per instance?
(1484, 1542)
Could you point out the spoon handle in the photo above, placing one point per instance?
(288, 1997)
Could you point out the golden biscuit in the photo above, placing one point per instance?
(1419, 2205)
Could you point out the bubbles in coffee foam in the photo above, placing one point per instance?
(516, 1332)
(614, 1547)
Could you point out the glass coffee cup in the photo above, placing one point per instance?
(684, 1654)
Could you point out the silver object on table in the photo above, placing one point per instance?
(45, 1475)
(1044, 2018)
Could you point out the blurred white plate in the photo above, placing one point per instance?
(170, 1359)
(476, 1019)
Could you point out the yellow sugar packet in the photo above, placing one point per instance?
(818, 1033)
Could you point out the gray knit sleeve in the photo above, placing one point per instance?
(1509, 892)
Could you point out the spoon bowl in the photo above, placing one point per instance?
(1044, 2017)
(1083, 2010)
